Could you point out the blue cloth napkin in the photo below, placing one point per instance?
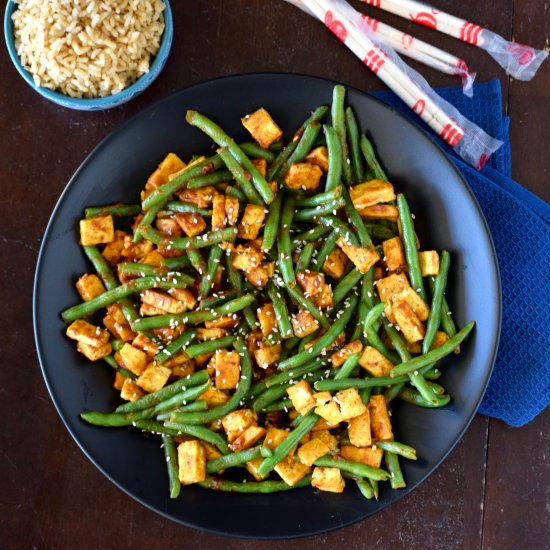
(519, 222)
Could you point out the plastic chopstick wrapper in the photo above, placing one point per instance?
(468, 140)
(423, 52)
(520, 61)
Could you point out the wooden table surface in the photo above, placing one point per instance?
(491, 492)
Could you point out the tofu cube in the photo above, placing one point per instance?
(362, 258)
(439, 339)
(119, 381)
(408, 321)
(112, 251)
(309, 452)
(339, 357)
(247, 257)
(225, 321)
(319, 157)
(94, 353)
(322, 398)
(380, 212)
(252, 468)
(191, 223)
(251, 222)
(323, 299)
(133, 359)
(394, 254)
(303, 323)
(228, 369)
(89, 286)
(210, 451)
(214, 397)
(303, 176)
(205, 334)
(89, 334)
(247, 438)
(335, 264)
(274, 437)
(371, 456)
(371, 192)
(184, 296)
(375, 363)
(330, 412)
(259, 277)
(182, 370)
(420, 307)
(153, 378)
(321, 425)
(219, 217)
(311, 282)
(236, 422)
(301, 396)
(429, 263)
(326, 437)
(388, 286)
(118, 330)
(267, 355)
(291, 471)
(350, 403)
(131, 391)
(359, 430)
(192, 462)
(163, 301)
(232, 209)
(170, 164)
(262, 127)
(266, 318)
(169, 227)
(328, 479)
(97, 230)
(380, 424)
(202, 197)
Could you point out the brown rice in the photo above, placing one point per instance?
(87, 48)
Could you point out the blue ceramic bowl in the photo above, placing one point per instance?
(95, 104)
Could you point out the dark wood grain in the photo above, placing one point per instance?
(491, 490)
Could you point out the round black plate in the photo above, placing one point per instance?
(447, 216)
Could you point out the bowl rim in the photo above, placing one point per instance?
(106, 102)
(121, 128)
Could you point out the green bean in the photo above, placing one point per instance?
(356, 221)
(161, 195)
(397, 480)
(447, 323)
(197, 261)
(305, 426)
(353, 468)
(409, 243)
(370, 157)
(281, 312)
(372, 316)
(379, 231)
(283, 243)
(311, 235)
(190, 394)
(413, 397)
(187, 207)
(171, 456)
(339, 125)
(334, 158)
(207, 280)
(233, 459)
(234, 278)
(114, 295)
(306, 340)
(375, 341)
(210, 345)
(233, 403)
(307, 214)
(200, 432)
(434, 319)
(271, 227)
(241, 176)
(304, 259)
(337, 224)
(297, 296)
(365, 395)
(269, 396)
(364, 487)
(254, 150)
(192, 243)
(303, 147)
(345, 285)
(237, 193)
(153, 399)
(193, 317)
(199, 405)
(217, 299)
(285, 376)
(147, 219)
(223, 140)
(342, 319)
(251, 486)
(145, 270)
(433, 355)
(284, 404)
(398, 448)
(118, 210)
(110, 360)
(347, 368)
(210, 179)
(326, 248)
(354, 147)
(320, 199)
(183, 340)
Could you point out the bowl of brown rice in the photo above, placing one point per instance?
(88, 54)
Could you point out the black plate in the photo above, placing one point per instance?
(447, 216)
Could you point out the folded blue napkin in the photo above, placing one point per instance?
(519, 222)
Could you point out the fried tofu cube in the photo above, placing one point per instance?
(146, 309)
(161, 300)
(112, 251)
(94, 353)
(259, 276)
(301, 396)
(335, 264)
(380, 424)
(371, 456)
(184, 296)
(323, 299)
(252, 467)
(251, 222)
(204, 334)
(420, 307)
(97, 230)
(274, 437)
(133, 359)
(219, 217)
(236, 422)
(339, 357)
(388, 286)
(119, 330)
(388, 212)
(247, 257)
(170, 164)
(213, 396)
(181, 370)
(375, 363)
(266, 318)
(319, 157)
(439, 339)
(359, 430)
(89, 334)
(135, 251)
(350, 403)
(291, 471)
(210, 451)
(303, 176)
(262, 127)
(225, 321)
(311, 282)
(168, 227)
(328, 479)
(192, 462)
(202, 197)
(89, 286)
(408, 321)
(231, 209)
(228, 369)
(131, 391)
(322, 398)
(153, 378)
(267, 355)
(394, 254)
(191, 223)
(247, 438)
(119, 381)
(321, 425)
(429, 263)
(303, 323)
(309, 452)
(362, 258)
(371, 192)
(330, 412)
(326, 437)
